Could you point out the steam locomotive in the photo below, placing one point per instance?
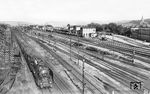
(42, 74)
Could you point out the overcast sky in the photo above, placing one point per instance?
(73, 10)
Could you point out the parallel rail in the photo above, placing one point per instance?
(58, 82)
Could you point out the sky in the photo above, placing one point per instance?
(73, 11)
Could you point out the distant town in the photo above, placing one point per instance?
(136, 29)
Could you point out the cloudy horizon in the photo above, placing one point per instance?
(73, 11)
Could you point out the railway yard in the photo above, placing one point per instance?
(54, 63)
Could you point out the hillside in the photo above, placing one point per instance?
(14, 23)
(135, 22)
(138, 21)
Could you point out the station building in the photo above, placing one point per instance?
(82, 31)
(88, 32)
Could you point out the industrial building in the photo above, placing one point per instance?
(141, 32)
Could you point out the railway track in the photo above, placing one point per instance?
(125, 51)
(64, 89)
(125, 60)
(131, 56)
(119, 74)
(10, 73)
(59, 84)
(46, 91)
(122, 78)
(110, 45)
(145, 53)
(133, 41)
(76, 73)
(101, 68)
(97, 56)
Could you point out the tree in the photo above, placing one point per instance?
(113, 27)
(128, 32)
(3, 26)
(95, 25)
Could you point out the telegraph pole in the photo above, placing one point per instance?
(78, 46)
(70, 38)
(113, 42)
(83, 84)
(54, 45)
(133, 55)
(70, 47)
(102, 55)
(5, 47)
